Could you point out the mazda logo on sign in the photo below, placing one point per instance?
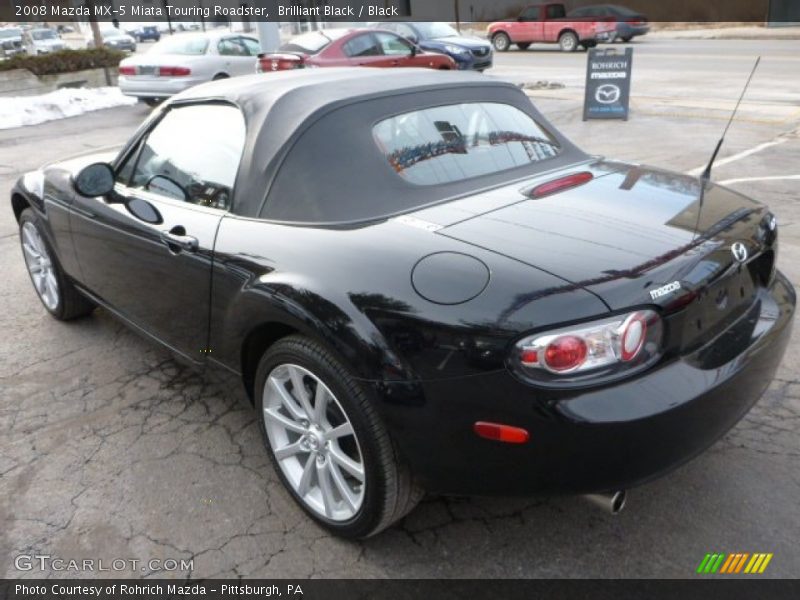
(607, 94)
(739, 251)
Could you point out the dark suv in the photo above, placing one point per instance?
(146, 33)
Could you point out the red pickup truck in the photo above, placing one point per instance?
(547, 23)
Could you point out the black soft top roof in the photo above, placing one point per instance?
(280, 107)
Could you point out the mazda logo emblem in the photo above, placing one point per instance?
(739, 251)
(607, 94)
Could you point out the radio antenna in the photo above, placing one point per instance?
(707, 172)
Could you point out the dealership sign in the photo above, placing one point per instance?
(608, 84)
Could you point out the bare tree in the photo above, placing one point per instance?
(98, 39)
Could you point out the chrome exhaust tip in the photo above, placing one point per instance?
(611, 502)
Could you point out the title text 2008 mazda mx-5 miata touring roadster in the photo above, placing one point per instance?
(421, 284)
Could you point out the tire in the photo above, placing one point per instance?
(501, 42)
(152, 102)
(627, 39)
(219, 76)
(568, 41)
(523, 46)
(587, 45)
(385, 491)
(54, 288)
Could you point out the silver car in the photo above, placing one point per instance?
(42, 41)
(185, 60)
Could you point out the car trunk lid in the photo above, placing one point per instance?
(632, 236)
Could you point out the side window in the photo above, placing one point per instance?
(232, 47)
(252, 46)
(362, 45)
(393, 45)
(195, 163)
(556, 11)
(530, 14)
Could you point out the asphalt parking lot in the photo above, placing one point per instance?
(110, 449)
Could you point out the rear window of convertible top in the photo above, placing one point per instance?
(460, 141)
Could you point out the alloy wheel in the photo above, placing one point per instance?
(314, 442)
(40, 266)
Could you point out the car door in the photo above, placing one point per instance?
(364, 51)
(399, 52)
(147, 250)
(529, 27)
(235, 55)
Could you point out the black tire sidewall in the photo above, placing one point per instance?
(306, 355)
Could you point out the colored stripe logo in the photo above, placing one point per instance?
(741, 562)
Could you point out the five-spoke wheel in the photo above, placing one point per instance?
(313, 442)
(40, 266)
(327, 441)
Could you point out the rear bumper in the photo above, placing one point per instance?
(161, 87)
(589, 440)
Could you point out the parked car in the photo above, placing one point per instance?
(547, 23)
(65, 29)
(42, 41)
(115, 39)
(469, 53)
(420, 284)
(11, 42)
(629, 23)
(177, 63)
(351, 48)
(145, 33)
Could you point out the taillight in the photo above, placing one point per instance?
(127, 70)
(560, 184)
(174, 71)
(279, 62)
(597, 349)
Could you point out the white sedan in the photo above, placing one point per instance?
(180, 62)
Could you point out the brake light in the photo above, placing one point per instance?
(565, 353)
(127, 70)
(560, 184)
(174, 71)
(608, 345)
(279, 62)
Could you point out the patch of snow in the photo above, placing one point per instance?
(19, 111)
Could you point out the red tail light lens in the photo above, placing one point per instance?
(174, 71)
(605, 347)
(565, 353)
(560, 184)
(279, 62)
(127, 70)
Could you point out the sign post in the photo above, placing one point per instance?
(608, 84)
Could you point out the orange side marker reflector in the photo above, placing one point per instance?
(501, 433)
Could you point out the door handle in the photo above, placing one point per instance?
(177, 237)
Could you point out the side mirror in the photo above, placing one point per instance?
(94, 180)
(414, 50)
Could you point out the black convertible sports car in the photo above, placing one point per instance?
(421, 284)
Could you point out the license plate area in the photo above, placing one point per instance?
(718, 306)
